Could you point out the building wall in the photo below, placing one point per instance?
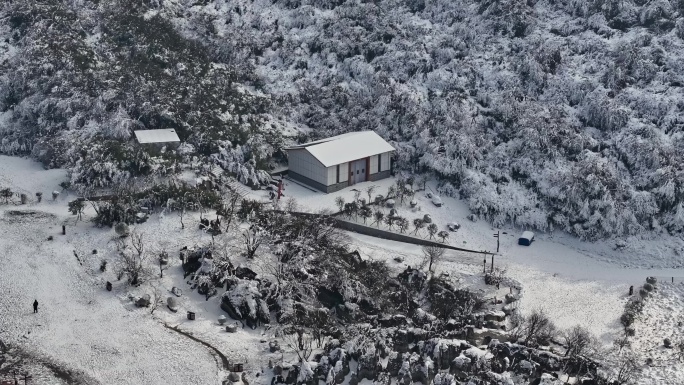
(373, 164)
(332, 174)
(306, 165)
(380, 175)
(385, 164)
(385, 161)
(318, 186)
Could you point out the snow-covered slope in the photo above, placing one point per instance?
(548, 114)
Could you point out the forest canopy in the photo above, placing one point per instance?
(555, 114)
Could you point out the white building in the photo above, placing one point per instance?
(157, 138)
(332, 164)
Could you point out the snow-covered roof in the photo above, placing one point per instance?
(527, 235)
(157, 136)
(346, 147)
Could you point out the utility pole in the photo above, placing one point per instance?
(484, 271)
(498, 233)
(497, 240)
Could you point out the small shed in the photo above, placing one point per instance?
(526, 238)
(334, 163)
(158, 138)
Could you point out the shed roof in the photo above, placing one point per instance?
(157, 136)
(346, 147)
(527, 235)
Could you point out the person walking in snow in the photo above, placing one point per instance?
(35, 306)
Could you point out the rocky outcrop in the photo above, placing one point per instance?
(243, 301)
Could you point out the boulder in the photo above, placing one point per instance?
(176, 291)
(277, 370)
(508, 309)
(244, 301)
(273, 346)
(510, 298)
(497, 316)
(143, 301)
(245, 273)
(172, 304)
(232, 328)
(234, 377)
(222, 319)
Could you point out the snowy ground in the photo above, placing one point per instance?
(662, 318)
(80, 325)
(575, 282)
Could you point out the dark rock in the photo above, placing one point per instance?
(143, 301)
(329, 298)
(245, 273)
(401, 341)
(239, 299)
(172, 304)
(510, 298)
(497, 316)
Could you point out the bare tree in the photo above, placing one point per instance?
(291, 205)
(534, 329)
(625, 369)
(418, 224)
(365, 212)
(379, 215)
(163, 260)
(443, 235)
(370, 190)
(132, 263)
(422, 181)
(400, 191)
(622, 342)
(300, 342)
(432, 256)
(403, 224)
(577, 341)
(253, 238)
(155, 299)
(432, 230)
(228, 208)
(389, 221)
(339, 201)
(76, 207)
(357, 195)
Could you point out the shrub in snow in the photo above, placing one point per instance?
(121, 229)
(306, 374)
(651, 280)
(667, 343)
(648, 287)
(643, 293)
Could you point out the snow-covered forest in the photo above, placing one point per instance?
(553, 114)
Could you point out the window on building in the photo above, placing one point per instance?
(338, 174)
(379, 162)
